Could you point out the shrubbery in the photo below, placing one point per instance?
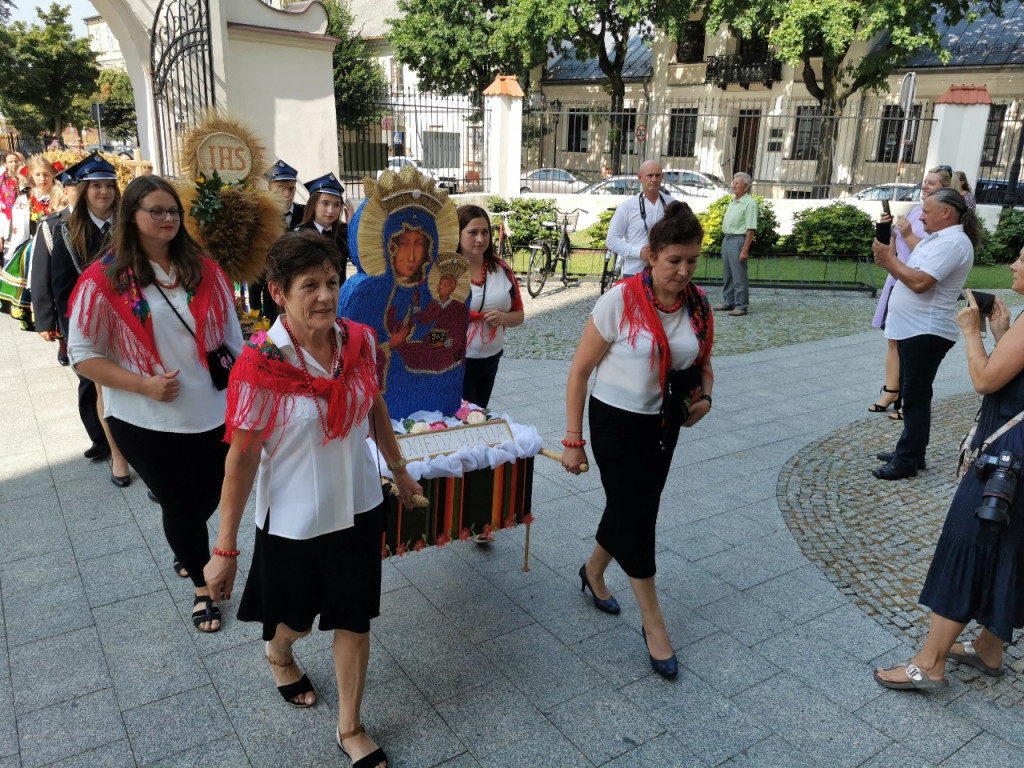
(767, 226)
(832, 230)
(1003, 246)
(529, 214)
(597, 233)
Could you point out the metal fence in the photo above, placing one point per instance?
(445, 137)
(791, 148)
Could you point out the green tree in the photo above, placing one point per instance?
(45, 68)
(5, 11)
(359, 82)
(460, 46)
(816, 36)
(115, 92)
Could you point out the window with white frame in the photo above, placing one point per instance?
(993, 134)
(682, 132)
(578, 134)
(807, 136)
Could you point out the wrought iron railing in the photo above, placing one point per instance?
(723, 70)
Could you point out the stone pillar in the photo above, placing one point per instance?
(960, 112)
(503, 107)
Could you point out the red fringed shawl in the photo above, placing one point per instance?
(641, 315)
(263, 382)
(477, 324)
(124, 312)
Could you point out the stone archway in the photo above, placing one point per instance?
(271, 68)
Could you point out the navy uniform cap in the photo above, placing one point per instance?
(281, 171)
(95, 168)
(71, 173)
(66, 179)
(328, 184)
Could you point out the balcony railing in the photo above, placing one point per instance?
(723, 70)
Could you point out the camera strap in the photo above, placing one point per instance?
(966, 456)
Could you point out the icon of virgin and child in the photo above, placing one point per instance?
(411, 288)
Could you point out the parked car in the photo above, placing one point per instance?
(630, 185)
(901, 192)
(713, 185)
(552, 181)
(993, 192)
(444, 178)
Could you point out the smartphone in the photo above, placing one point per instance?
(985, 302)
(885, 208)
(883, 232)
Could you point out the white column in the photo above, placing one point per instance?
(954, 121)
(503, 107)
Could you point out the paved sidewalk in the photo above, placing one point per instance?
(474, 662)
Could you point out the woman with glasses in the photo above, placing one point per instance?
(147, 320)
(908, 231)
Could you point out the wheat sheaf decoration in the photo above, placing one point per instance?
(234, 221)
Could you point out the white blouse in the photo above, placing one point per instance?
(199, 406)
(625, 378)
(309, 489)
(486, 340)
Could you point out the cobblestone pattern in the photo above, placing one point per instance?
(874, 540)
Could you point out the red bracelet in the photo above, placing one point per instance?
(574, 443)
(227, 552)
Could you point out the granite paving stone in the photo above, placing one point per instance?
(748, 620)
(484, 735)
(53, 609)
(69, 728)
(223, 752)
(603, 724)
(56, 669)
(927, 728)
(663, 751)
(116, 754)
(773, 752)
(985, 749)
(725, 663)
(34, 573)
(120, 576)
(8, 721)
(198, 717)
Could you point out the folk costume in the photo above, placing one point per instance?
(15, 293)
(10, 185)
(626, 428)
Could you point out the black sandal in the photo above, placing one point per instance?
(291, 691)
(371, 760)
(179, 567)
(879, 408)
(897, 415)
(204, 615)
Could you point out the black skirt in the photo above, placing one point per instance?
(336, 575)
(634, 467)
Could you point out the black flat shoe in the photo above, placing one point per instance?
(97, 452)
(121, 481)
(608, 606)
(892, 471)
(665, 667)
(888, 456)
(63, 360)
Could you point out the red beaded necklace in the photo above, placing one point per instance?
(668, 310)
(335, 369)
(648, 283)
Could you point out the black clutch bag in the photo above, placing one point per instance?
(682, 387)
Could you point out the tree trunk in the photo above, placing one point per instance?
(618, 94)
(824, 167)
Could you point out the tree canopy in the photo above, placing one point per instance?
(359, 83)
(45, 69)
(116, 94)
(5, 10)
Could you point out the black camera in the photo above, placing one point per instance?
(1000, 474)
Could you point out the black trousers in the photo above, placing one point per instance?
(88, 412)
(478, 375)
(185, 472)
(920, 357)
(261, 300)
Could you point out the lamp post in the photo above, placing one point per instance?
(555, 106)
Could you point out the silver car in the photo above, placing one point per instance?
(444, 178)
(630, 185)
(552, 181)
(701, 184)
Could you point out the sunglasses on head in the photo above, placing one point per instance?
(946, 168)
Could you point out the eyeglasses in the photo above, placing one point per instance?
(159, 214)
(945, 168)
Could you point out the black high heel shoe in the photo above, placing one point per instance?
(879, 408)
(665, 667)
(608, 606)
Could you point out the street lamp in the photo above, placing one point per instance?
(555, 107)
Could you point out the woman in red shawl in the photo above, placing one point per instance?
(650, 339)
(145, 319)
(302, 399)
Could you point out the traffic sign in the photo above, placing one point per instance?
(641, 132)
(385, 123)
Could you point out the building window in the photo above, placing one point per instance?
(627, 131)
(993, 134)
(753, 50)
(682, 132)
(395, 78)
(892, 129)
(690, 49)
(808, 133)
(578, 135)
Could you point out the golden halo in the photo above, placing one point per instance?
(213, 122)
(450, 265)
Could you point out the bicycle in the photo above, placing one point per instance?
(612, 272)
(503, 248)
(542, 263)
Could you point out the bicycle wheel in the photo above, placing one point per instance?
(611, 271)
(540, 259)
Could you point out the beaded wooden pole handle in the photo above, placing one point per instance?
(558, 457)
(419, 501)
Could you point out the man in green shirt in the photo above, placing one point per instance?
(738, 227)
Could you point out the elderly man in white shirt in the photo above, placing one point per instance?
(627, 232)
(922, 317)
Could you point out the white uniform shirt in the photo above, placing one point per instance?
(312, 489)
(199, 406)
(946, 255)
(625, 378)
(627, 234)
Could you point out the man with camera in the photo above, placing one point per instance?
(922, 317)
(627, 232)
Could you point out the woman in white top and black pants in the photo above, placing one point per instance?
(144, 318)
(303, 398)
(494, 305)
(650, 339)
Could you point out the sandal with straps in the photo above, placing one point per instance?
(292, 691)
(879, 408)
(204, 615)
(371, 760)
(179, 567)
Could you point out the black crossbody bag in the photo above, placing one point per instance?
(219, 361)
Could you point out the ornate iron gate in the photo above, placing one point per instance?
(181, 58)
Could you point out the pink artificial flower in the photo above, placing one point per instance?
(438, 425)
(463, 412)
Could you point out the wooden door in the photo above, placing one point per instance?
(746, 141)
